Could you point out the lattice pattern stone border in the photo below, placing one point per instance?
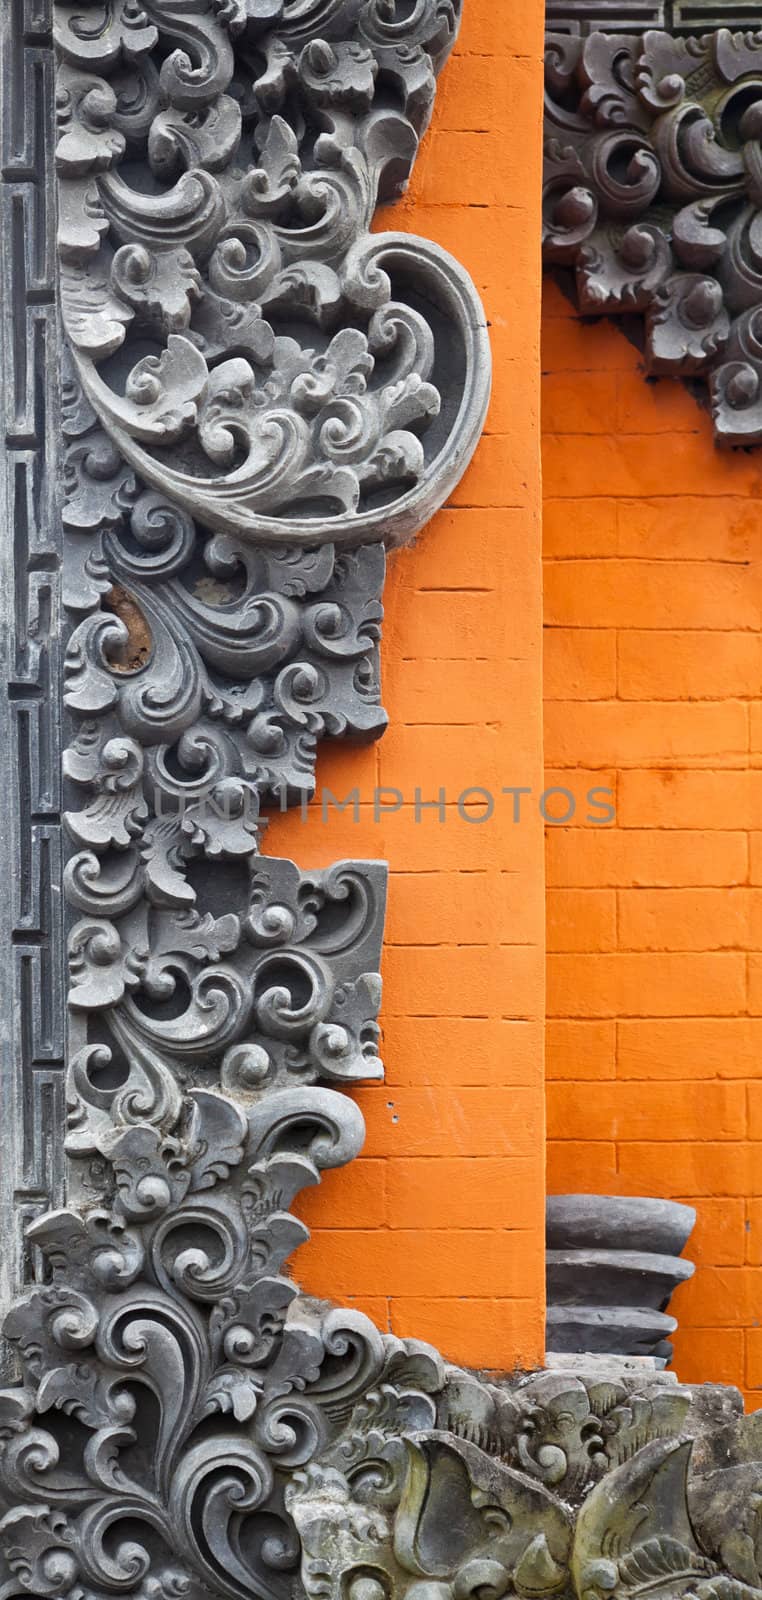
(31, 931)
(635, 16)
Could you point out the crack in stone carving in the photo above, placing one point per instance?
(31, 925)
(652, 195)
(261, 396)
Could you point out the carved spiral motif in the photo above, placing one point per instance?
(255, 407)
(652, 194)
(251, 349)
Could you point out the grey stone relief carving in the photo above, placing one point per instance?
(652, 195)
(251, 349)
(260, 396)
(612, 1264)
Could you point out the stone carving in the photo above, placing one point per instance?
(652, 196)
(253, 351)
(635, 16)
(612, 1264)
(584, 1486)
(301, 1446)
(261, 396)
(31, 931)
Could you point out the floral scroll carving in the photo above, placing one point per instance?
(652, 196)
(259, 395)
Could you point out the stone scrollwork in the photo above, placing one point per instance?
(249, 346)
(260, 394)
(653, 195)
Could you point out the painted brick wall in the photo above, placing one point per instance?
(653, 605)
(439, 1230)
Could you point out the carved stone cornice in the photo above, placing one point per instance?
(653, 195)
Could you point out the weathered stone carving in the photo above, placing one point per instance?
(261, 396)
(612, 1264)
(577, 1485)
(652, 195)
(251, 348)
(300, 1447)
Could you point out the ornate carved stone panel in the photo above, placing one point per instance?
(250, 348)
(652, 196)
(259, 395)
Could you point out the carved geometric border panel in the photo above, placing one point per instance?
(635, 16)
(31, 972)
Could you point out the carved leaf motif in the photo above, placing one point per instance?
(100, 489)
(216, 1138)
(113, 27)
(160, 395)
(273, 190)
(659, 1562)
(652, 193)
(161, 286)
(103, 969)
(85, 108)
(183, 139)
(204, 938)
(635, 1527)
(37, 1541)
(161, 852)
(80, 1391)
(235, 1392)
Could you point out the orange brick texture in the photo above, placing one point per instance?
(438, 1230)
(653, 607)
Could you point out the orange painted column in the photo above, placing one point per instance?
(438, 1230)
(653, 590)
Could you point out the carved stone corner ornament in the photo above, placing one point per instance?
(653, 195)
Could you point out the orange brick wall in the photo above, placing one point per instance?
(653, 605)
(438, 1231)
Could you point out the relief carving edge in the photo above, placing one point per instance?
(652, 195)
(187, 1422)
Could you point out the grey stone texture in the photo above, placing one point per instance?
(612, 1264)
(252, 350)
(652, 197)
(259, 396)
(32, 1011)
